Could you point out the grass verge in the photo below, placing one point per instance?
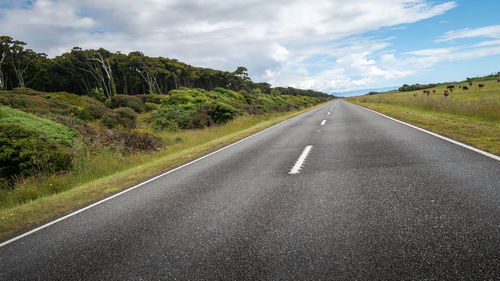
(189, 144)
(477, 132)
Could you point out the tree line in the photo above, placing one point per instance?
(103, 74)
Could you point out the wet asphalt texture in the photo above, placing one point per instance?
(374, 200)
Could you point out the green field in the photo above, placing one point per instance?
(471, 116)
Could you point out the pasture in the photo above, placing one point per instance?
(471, 116)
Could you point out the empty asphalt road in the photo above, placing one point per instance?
(338, 193)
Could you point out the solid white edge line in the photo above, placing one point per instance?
(300, 161)
(487, 154)
(143, 183)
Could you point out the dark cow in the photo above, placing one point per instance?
(427, 92)
(481, 85)
(433, 91)
(460, 87)
(450, 87)
(498, 80)
(414, 95)
(465, 88)
(470, 83)
(446, 93)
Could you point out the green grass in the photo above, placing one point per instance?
(48, 128)
(471, 116)
(100, 172)
(476, 103)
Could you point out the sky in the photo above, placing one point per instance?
(332, 46)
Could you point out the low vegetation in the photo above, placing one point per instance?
(51, 136)
(470, 113)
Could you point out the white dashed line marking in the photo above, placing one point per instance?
(323, 122)
(300, 162)
(329, 113)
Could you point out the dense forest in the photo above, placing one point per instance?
(103, 74)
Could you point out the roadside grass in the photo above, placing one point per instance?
(471, 116)
(100, 173)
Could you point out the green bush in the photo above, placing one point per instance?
(48, 128)
(177, 97)
(98, 94)
(150, 106)
(94, 107)
(26, 152)
(127, 101)
(122, 116)
(221, 112)
(151, 98)
(179, 114)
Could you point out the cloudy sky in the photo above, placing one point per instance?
(327, 45)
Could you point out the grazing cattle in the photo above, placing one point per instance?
(470, 83)
(450, 87)
(465, 88)
(427, 92)
(446, 93)
(433, 91)
(460, 87)
(414, 95)
(481, 85)
(498, 80)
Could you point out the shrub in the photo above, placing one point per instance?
(26, 91)
(26, 152)
(177, 97)
(4, 183)
(221, 112)
(149, 106)
(179, 114)
(95, 108)
(223, 91)
(165, 124)
(48, 128)
(199, 121)
(127, 101)
(134, 140)
(122, 116)
(98, 94)
(151, 98)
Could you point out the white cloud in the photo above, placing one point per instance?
(276, 40)
(492, 31)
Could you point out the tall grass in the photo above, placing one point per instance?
(479, 103)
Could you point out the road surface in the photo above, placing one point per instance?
(338, 193)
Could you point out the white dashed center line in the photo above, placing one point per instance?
(323, 122)
(329, 113)
(300, 162)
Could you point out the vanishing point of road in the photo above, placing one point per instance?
(337, 193)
